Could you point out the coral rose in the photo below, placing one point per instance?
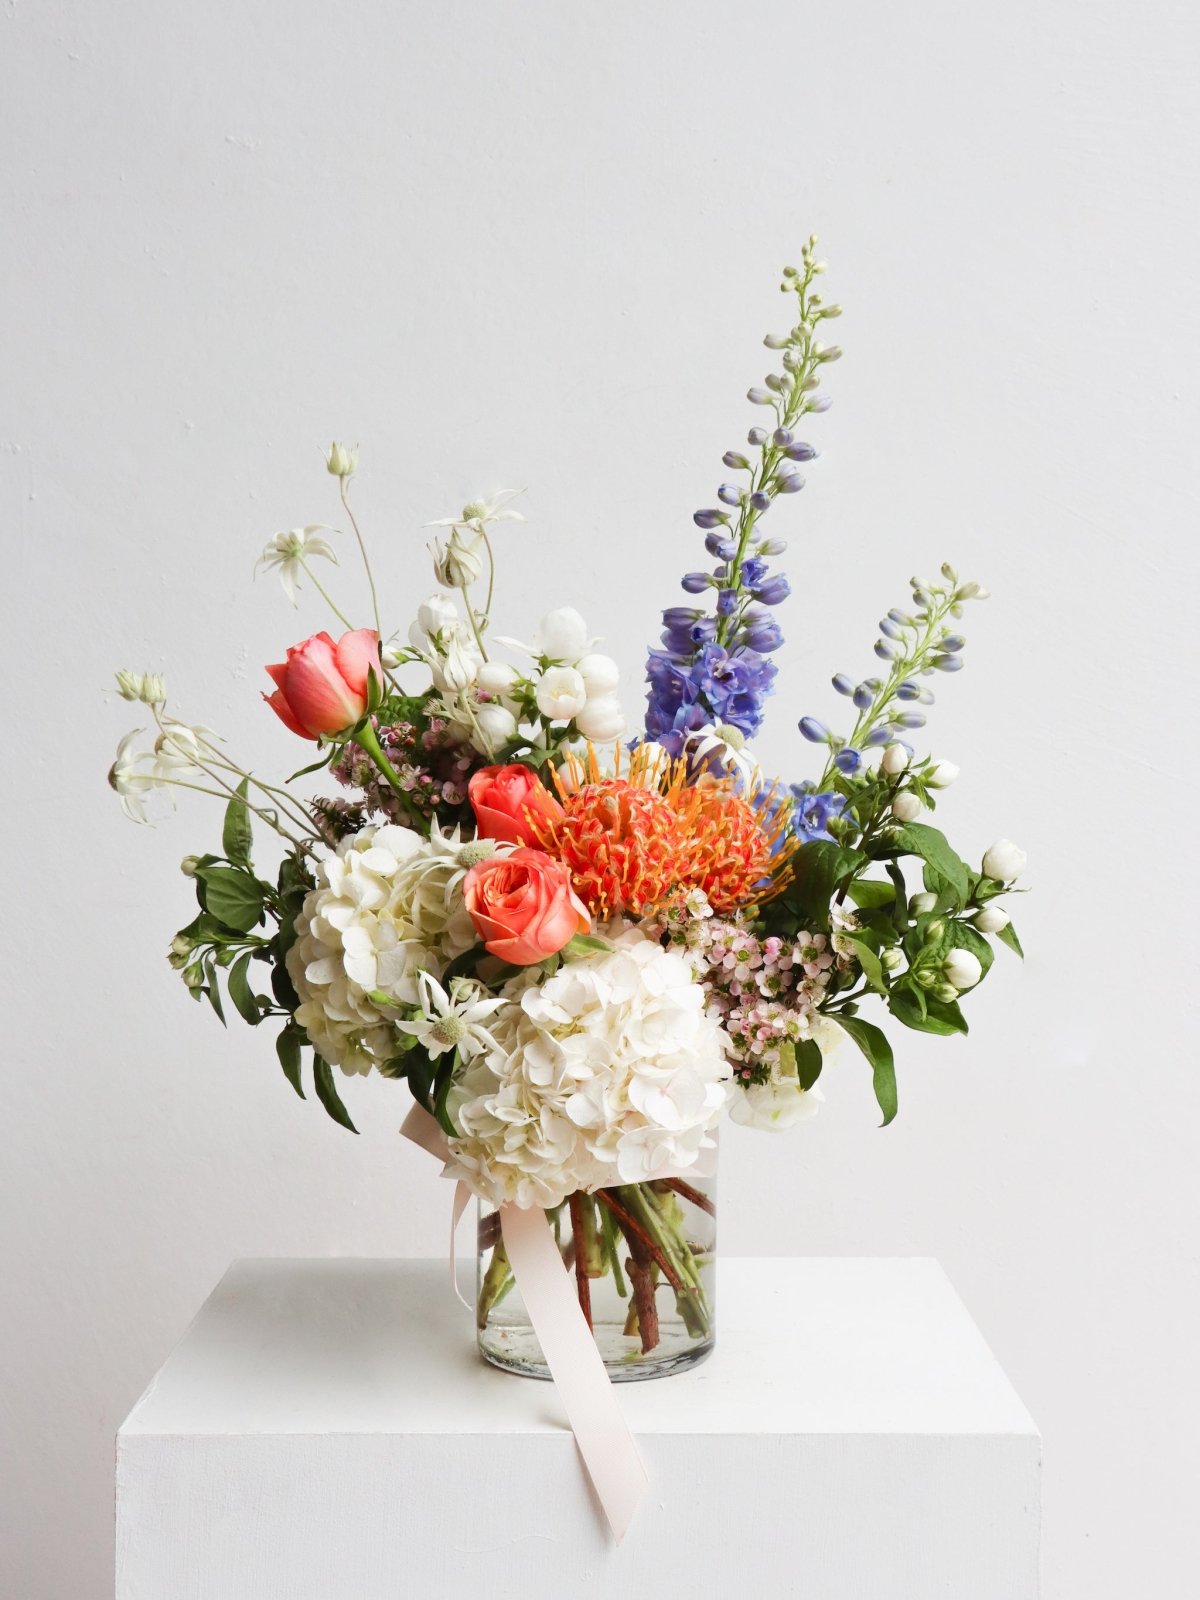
(523, 906)
(510, 802)
(322, 686)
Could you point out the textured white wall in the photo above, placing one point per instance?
(538, 244)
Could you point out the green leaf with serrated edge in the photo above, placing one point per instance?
(236, 836)
(919, 1010)
(1008, 936)
(287, 1048)
(873, 1043)
(232, 896)
(867, 893)
(872, 968)
(327, 1093)
(919, 839)
(240, 991)
(809, 1062)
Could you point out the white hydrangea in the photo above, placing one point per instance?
(781, 1102)
(609, 1072)
(387, 907)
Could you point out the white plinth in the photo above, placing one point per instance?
(325, 1431)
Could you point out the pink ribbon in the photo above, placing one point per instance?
(609, 1450)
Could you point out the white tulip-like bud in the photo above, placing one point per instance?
(436, 615)
(495, 726)
(461, 563)
(895, 759)
(941, 775)
(962, 969)
(342, 460)
(456, 668)
(562, 636)
(992, 919)
(561, 694)
(601, 719)
(496, 677)
(1003, 861)
(906, 807)
(920, 903)
(600, 673)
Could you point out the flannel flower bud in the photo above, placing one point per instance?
(1003, 861)
(148, 687)
(992, 919)
(461, 562)
(342, 460)
(962, 969)
(906, 807)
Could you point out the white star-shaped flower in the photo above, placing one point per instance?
(289, 552)
(476, 514)
(728, 746)
(452, 1021)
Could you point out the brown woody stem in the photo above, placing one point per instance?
(688, 1193)
(633, 1229)
(582, 1282)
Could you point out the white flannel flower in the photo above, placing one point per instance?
(726, 745)
(386, 907)
(290, 552)
(453, 1021)
(180, 751)
(611, 1071)
(130, 779)
(477, 514)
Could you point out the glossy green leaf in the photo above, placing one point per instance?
(240, 991)
(873, 1043)
(236, 836)
(232, 896)
(287, 1048)
(945, 867)
(327, 1093)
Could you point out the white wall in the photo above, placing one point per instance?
(538, 244)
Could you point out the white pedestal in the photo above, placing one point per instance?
(325, 1431)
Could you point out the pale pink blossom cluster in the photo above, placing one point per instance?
(764, 991)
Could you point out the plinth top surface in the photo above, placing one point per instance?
(820, 1346)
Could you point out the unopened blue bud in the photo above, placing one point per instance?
(789, 482)
(848, 761)
(757, 436)
(736, 461)
(887, 651)
(774, 591)
(863, 696)
(842, 683)
(890, 629)
(953, 643)
(820, 402)
(910, 719)
(926, 696)
(772, 547)
(720, 544)
(696, 582)
(726, 602)
(948, 663)
(729, 494)
(760, 397)
(908, 690)
(902, 617)
(782, 437)
(760, 501)
(801, 452)
(710, 519)
(815, 732)
(879, 735)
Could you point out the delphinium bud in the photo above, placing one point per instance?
(760, 397)
(830, 352)
(801, 452)
(789, 482)
(953, 643)
(848, 761)
(773, 590)
(910, 719)
(887, 651)
(710, 518)
(736, 461)
(947, 663)
(820, 402)
(760, 500)
(777, 341)
(757, 437)
(719, 544)
(865, 692)
(842, 683)
(772, 547)
(782, 437)
(815, 732)
(729, 494)
(890, 629)
(696, 582)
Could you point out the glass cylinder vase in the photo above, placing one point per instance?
(641, 1260)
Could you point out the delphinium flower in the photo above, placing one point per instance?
(714, 670)
(915, 643)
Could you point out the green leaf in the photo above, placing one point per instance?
(236, 836)
(445, 1079)
(327, 1093)
(585, 944)
(868, 893)
(808, 1062)
(920, 1011)
(1008, 936)
(870, 963)
(819, 869)
(872, 1041)
(287, 1048)
(232, 896)
(213, 991)
(919, 839)
(316, 766)
(240, 991)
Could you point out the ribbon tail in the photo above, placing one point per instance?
(609, 1450)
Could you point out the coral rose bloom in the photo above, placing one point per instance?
(523, 906)
(322, 686)
(510, 803)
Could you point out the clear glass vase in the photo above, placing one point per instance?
(641, 1258)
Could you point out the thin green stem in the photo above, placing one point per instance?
(325, 595)
(367, 739)
(363, 552)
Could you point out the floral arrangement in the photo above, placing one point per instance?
(578, 944)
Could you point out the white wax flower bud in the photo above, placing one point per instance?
(906, 807)
(495, 726)
(941, 775)
(562, 636)
(456, 667)
(561, 694)
(461, 563)
(962, 969)
(342, 460)
(601, 719)
(895, 759)
(921, 903)
(992, 919)
(496, 677)
(1003, 861)
(599, 673)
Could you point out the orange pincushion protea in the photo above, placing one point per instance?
(633, 843)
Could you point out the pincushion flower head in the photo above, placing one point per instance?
(610, 1071)
(322, 687)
